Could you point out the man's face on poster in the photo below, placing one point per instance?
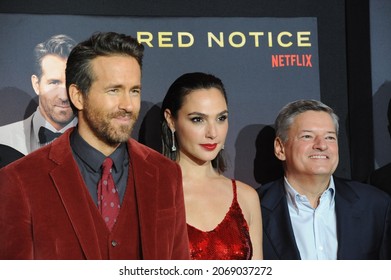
(50, 87)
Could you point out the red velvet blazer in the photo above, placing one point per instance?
(45, 209)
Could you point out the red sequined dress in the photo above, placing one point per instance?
(230, 240)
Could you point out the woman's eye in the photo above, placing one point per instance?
(196, 119)
(223, 118)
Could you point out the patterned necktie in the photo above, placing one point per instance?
(108, 199)
(46, 135)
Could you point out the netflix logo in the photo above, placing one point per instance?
(291, 60)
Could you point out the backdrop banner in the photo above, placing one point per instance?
(263, 62)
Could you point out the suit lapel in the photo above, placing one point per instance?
(69, 183)
(146, 182)
(348, 219)
(277, 224)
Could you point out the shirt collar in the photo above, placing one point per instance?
(293, 195)
(94, 158)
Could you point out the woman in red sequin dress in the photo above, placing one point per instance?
(223, 215)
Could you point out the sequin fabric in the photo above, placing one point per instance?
(230, 240)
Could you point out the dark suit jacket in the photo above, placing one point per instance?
(8, 155)
(381, 178)
(363, 222)
(46, 211)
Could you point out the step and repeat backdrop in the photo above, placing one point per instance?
(263, 62)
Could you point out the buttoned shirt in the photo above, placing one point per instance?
(315, 229)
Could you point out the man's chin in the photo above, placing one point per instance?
(121, 135)
(115, 141)
(63, 116)
(323, 173)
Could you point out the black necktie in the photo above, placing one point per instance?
(46, 135)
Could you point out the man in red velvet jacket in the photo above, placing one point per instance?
(48, 199)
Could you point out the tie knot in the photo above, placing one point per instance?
(106, 165)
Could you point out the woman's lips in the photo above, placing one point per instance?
(209, 147)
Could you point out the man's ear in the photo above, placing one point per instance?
(279, 150)
(35, 83)
(169, 119)
(76, 97)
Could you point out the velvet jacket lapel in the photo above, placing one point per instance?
(146, 181)
(69, 183)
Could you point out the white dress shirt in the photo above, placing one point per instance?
(315, 230)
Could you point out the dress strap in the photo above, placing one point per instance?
(234, 189)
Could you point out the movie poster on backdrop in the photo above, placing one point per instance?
(263, 62)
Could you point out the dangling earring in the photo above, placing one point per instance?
(173, 147)
(222, 147)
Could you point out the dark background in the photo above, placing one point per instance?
(344, 52)
(380, 22)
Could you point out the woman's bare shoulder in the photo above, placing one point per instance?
(246, 191)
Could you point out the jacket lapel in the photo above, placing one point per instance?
(69, 183)
(146, 182)
(277, 224)
(348, 219)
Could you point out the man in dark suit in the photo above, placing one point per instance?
(311, 214)
(54, 200)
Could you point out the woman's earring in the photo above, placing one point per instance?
(173, 147)
(222, 147)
